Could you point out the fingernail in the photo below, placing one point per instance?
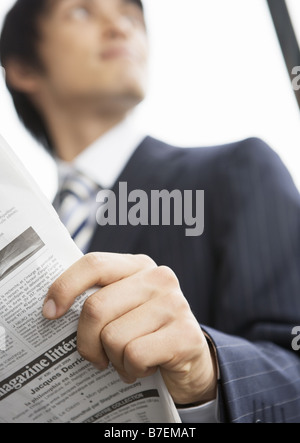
(49, 309)
(99, 367)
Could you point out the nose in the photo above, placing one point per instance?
(115, 26)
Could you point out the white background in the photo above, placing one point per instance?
(217, 75)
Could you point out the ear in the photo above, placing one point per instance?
(21, 76)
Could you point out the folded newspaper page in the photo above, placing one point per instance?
(43, 379)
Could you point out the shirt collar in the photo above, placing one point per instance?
(104, 160)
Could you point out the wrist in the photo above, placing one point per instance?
(199, 386)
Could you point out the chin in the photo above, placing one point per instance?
(116, 102)
(130, 100)
(132, 90)
(130, 80)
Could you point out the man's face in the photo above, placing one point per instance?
(94, 50)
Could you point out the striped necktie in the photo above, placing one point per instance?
(76, 204)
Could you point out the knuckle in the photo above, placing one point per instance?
(109, 336)
(132, 355)
(165, 277)
(83, 352)
(92, 308)
(145, 261)
(176, 303)
(94, 259)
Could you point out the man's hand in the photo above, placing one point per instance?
(139, 321)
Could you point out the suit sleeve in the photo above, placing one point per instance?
(257, 294)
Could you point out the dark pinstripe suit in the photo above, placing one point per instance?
(242, 276)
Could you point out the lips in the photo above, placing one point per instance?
(117, 52)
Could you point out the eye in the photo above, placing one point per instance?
(133, 18)
(134, 15)
(80, 13)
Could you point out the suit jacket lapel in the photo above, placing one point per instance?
(138, 174)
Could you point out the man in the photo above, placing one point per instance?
(76, 69)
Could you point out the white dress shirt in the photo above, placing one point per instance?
(103, 162)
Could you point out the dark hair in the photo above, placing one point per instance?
(19, 37)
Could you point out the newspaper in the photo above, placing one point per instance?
(43, 379)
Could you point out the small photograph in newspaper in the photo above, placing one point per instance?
(18, 251)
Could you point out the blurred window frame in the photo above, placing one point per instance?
(289, 43)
